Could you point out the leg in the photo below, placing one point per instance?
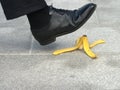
(16, 8)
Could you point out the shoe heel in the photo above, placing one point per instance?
(48, 41)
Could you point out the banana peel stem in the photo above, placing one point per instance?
(81, 43)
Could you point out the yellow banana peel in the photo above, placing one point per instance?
(87, 49)
(96, 43)
(77, 45)
(81, 43)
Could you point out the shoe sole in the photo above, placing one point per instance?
(53, 39)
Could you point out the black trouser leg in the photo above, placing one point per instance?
(17, 8)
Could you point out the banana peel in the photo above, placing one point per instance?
(87, 49)
(77, 45)
(81, 43)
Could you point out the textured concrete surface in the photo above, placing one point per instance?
(25, 65)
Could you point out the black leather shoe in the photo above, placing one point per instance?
(63, 22)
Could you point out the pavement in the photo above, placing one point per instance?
(25, 65)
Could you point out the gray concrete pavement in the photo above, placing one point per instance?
(25, 65)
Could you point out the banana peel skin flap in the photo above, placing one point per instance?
(81, 43)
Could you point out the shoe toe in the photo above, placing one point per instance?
(92, 6)
(85, 7)
(84, 13)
